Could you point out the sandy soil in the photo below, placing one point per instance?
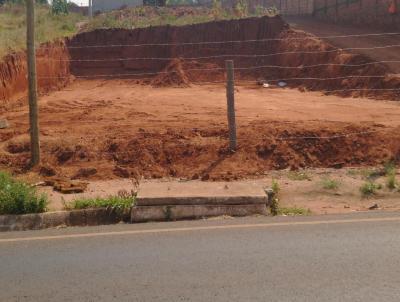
(118, 128)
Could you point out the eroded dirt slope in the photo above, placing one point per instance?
(138, 53)
(52, 71)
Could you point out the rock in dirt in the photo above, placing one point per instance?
(67, 186)
(4, 124)
(374, 207)
(64, 155)
(85, 172)
(121, 172)
(47, 171)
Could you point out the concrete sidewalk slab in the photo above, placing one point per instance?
(202, 200)
(174, 188)
(177, 200)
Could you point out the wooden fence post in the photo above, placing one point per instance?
(33, 107)
(230, 95)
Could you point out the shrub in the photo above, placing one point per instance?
(17, 197)
(389, 168)
(330, 184)
(369, 188)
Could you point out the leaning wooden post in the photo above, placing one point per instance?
(230, 95)
(33, 107)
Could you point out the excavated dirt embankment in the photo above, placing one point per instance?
(52, 71)
(129, 52)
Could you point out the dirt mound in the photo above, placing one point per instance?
(343, 73)
(180, 73)
(173, 75)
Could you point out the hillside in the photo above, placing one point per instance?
(48, 26)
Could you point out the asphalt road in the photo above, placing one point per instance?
(325, 258)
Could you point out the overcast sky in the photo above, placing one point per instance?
(80, 2)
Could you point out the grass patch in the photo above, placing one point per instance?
(145, 16)
(294, 211)
(17, 197)
(48, 26)
(116, 202)
(298, 176)
(369, 188)
(330, 184)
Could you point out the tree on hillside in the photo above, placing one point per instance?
(59, 7)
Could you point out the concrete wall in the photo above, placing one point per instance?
(106, 5)
(369, 13)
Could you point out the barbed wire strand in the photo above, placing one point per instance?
(223, 55)
(308, 37)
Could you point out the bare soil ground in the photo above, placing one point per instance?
(108, 129)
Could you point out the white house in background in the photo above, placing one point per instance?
(106, 5)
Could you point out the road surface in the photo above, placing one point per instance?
(322, 258)
(324, 29)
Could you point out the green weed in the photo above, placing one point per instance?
(17, 197)
(275, 200)
(115, 202)
(391, 182)
(294, 211)
(48, 26)
(330, 184)
(369, 188)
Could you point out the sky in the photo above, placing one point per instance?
(80, 2)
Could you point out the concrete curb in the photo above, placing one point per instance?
(181, 212)
(212, 200)
(148, 209)
(87, 217)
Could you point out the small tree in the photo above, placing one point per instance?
(59, 7)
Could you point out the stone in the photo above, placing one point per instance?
(46, 170)
(4, 124)
(85, 172)
(374, 207)
(121, 172)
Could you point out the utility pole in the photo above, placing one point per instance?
(33, 107)
(230, 96)
(90, 8)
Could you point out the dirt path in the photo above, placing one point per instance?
(117, 128)
(321, 28)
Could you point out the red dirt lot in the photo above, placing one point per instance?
(117, 128)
